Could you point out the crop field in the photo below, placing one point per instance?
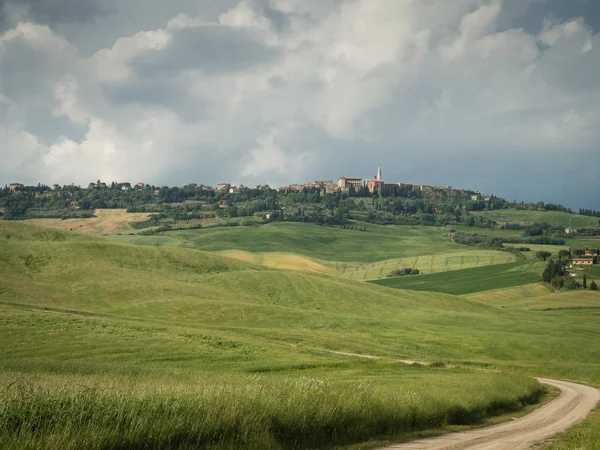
(534, 298)
(498, 296)
(555, 218)
(153, 241)
(465, 281)
(106, 344)
(276, 260)
(106, 221)
(425, 264)
(324, 243)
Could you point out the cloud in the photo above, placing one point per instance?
(288, 89)
(50, 12)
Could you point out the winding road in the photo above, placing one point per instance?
(573, 405)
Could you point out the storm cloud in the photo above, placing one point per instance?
(498, 96)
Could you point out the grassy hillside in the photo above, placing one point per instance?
(324, 243)
(106, 221)
(533, 297)
(104, 345)
(425, 264)
(555, 218)
(466, 281)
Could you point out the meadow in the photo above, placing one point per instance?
(105, 221)
(323, 243)
(105, 344)
(554, 218)
(467, 281)
(425, 263)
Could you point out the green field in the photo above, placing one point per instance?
(323, 243)
(466, 281)
(425, 264)
(111, 345)
(555, 218)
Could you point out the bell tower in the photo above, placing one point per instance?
(379, 173)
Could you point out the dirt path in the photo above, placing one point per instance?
(572, 406)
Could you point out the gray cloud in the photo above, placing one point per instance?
(479, 94)
(157, 93)
(51, 12)
(211, 49)
(561, 11)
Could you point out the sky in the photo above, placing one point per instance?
(500, 96)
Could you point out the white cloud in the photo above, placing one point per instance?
(356, 74)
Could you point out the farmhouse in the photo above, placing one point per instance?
(584, 261)
(570, 230)
(13, 187)
(592, 252)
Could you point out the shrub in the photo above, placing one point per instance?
(593, 286)
(403, 272)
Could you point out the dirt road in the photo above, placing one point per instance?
(573, 405)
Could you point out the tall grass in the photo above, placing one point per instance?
(244, 412)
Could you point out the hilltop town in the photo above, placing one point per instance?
(352, 186)
(355, 186)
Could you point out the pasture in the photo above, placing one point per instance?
(425, 264)
(323, 243)
(106, 344)
(105, 221)
(555, 218)
(466, 281)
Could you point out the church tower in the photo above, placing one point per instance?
(379, 173)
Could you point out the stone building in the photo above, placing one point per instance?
(346, 182)
(375, 184)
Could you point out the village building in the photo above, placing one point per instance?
(416, 187)
(329, 186)
(140, 185)
(584, 261)
(13, 187)
(223, 186)
(234, 190)
(375, 184)
(344, 183)
(592, 252)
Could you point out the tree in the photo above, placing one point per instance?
(554, 271)
(593, 286)
(543, 255)
(584, 282)
(564, 254)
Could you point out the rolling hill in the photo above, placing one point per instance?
(191, 340)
